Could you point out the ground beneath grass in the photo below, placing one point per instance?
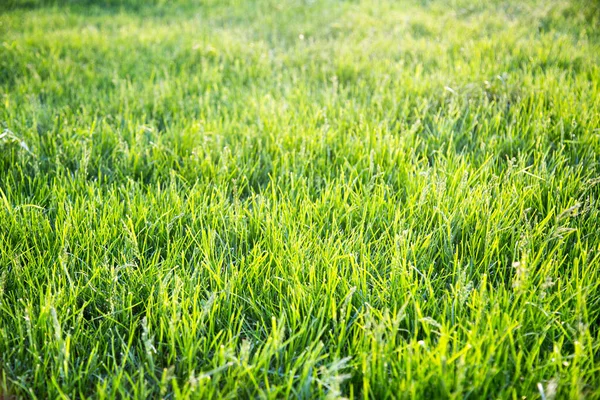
(300, 199)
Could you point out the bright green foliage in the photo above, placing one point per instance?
(294, 198)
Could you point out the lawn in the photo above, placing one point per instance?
(300, 199)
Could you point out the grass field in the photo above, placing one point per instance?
(306, 199)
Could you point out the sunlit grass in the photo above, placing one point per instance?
(299, 199)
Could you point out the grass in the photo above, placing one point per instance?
(274, 199)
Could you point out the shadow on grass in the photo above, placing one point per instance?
(94, 7)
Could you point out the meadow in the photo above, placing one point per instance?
(300, 199)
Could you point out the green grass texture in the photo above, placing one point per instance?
(300, 199)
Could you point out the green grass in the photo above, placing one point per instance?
(278, 199)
